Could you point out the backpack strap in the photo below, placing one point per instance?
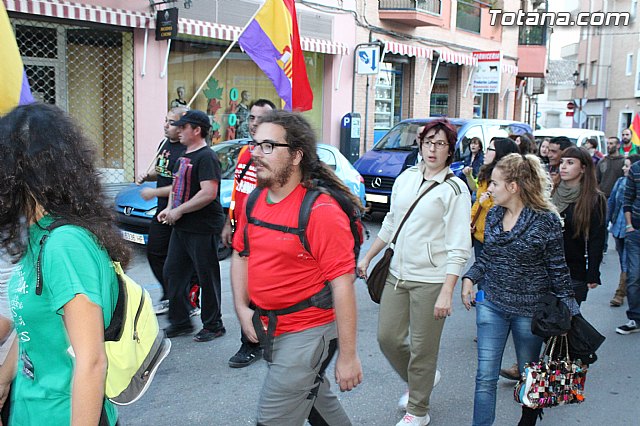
(303, 219)
(322, 299)
(303, 216)
(251, 202)
(53, 225)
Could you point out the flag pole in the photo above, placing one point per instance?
(215, 67)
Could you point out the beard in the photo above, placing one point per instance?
(278, 177)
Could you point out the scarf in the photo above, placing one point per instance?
(565, 195)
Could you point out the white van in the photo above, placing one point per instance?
(577, 136)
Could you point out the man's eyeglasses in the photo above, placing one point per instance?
(436, 144)
(266, 147)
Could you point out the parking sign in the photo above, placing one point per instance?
(367, 59)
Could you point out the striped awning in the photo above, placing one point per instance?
(230, 33)
(82, 12)
(127, 18)
(408, 49)
(453, 57)
(509, 69)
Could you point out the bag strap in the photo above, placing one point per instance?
(53, 225)
(245, 170)
(476, 216)
(413, 206)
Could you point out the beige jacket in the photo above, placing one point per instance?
(435, 240)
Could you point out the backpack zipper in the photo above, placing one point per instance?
(137, 317)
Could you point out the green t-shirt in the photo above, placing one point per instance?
(72, 263)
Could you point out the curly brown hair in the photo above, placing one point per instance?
(48, 164)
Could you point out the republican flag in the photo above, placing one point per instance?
(635, 130)
(14, 87)
(273, 42)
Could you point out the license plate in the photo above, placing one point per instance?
(375, 198)
(133, 237)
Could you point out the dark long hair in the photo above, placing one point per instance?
(449, 131)
(503, 147)
(48, 162)
(591, 200)
(301, 137)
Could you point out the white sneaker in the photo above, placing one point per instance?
(194, 312)
(404, 399)
(411, 420)
(162, 307)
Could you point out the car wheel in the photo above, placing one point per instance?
(223, 251)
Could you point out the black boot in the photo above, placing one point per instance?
(530, 416)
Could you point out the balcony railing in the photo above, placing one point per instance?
(533, 36)
(429, 6)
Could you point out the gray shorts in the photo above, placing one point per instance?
(296, 387)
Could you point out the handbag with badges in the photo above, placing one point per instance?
(553, 380)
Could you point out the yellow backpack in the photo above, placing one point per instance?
(134, 344)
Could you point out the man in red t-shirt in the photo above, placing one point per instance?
(273, 270)
(244, 181)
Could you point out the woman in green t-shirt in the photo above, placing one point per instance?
(48, 172)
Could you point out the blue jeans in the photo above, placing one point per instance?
(622, 254)
(632, 247)
(494, 326)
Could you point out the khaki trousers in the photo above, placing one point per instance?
(409, 336)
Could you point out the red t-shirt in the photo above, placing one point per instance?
(242, 188)
(281, 272)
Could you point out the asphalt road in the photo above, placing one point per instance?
(195, 386)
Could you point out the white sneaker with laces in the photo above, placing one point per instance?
(404, 399)
(411, 420)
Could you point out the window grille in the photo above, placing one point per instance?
(88, 72)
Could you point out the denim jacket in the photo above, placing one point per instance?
(615, 214)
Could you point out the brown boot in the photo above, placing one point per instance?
(621, 292)
(511, 373)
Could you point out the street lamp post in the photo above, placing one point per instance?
(583, 83)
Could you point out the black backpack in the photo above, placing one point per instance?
(358, 229)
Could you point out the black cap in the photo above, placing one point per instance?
(194, 116)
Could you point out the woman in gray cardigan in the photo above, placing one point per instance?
(523, 259)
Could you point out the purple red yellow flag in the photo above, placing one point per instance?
(14, 87)
(635, 130)
(272, 41)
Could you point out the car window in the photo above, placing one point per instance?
(228, 156)
(500, 131)
(327, 158)
(402, 137)
(463, 147)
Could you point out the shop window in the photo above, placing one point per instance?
(477, 106)
(190, 63)
(468, 16)
(440, 98)
(388, 99)
(87, 71)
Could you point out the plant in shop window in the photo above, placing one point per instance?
(213, 93)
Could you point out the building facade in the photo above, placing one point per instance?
(428, 62)
(100, 61)
(608, 71)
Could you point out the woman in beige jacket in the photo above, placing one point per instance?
(432, 248)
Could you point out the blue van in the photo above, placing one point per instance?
(398, 150)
